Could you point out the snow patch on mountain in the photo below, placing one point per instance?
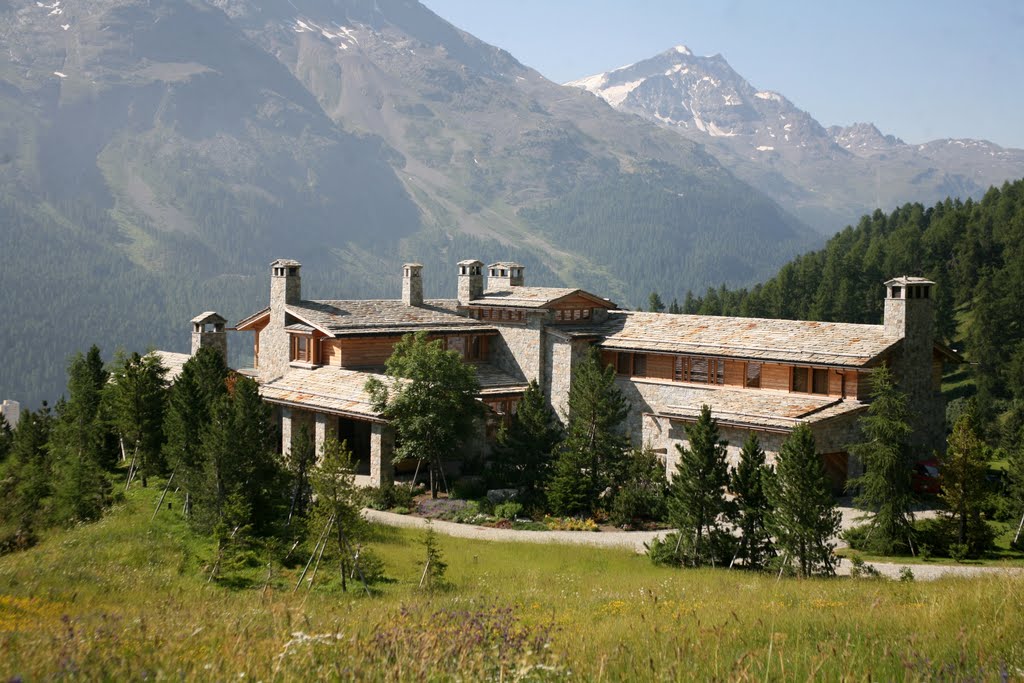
(768, 95)
(617, 93)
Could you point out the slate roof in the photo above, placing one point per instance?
(377, 316)
(331, 389)
(173, 361)
(772, 410)
(787, 341)
(532, 297)
(341, 391)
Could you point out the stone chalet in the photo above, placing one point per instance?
(312, 360)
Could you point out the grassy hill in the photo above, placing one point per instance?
(127, 599)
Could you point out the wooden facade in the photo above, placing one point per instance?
(689, 369)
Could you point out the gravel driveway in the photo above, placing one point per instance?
(635, 540)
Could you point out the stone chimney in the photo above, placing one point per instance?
(285, 288)
(208, 330)
(412, 284)
(909, 312)
(504, 275)
(909, 315)
(471, 281)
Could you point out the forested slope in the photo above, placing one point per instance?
(974, 251)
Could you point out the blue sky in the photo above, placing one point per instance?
(920, 70)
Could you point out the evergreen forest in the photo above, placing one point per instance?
(972, 250)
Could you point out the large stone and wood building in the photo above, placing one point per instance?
(312, 360)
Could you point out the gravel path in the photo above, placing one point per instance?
(635, 541)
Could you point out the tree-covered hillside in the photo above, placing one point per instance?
(974, 251)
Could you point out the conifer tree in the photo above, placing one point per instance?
(885, 487)
(237, 458)
(674, 307)
(524, 451)
(963, 483)
(26, 480)
(78, 442)
(643, 495)
(749, 484)
(430, 400)
(594, 448)
(137, 398)
(435, 567)
(300, 462)
(337, 499)
(570, 491)
(697, 505)
(654, 303)
(803, 519)
(6, 438)
(202, 382)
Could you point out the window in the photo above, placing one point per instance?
(819, 381)
(800, 379)
(473, 348)
(679, 369)
(301, 348)
(810, 380)
(753, 376)
(699, 370)
(640, 364)
(624, 364)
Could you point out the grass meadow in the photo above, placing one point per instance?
(125, 598)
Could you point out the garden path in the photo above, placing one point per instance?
(636, 540)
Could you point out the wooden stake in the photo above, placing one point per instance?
(315, 548)
(316, 566)
(161, 501)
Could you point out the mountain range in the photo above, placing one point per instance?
(828, 177)
(156, 156)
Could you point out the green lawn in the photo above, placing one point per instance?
(126, 599)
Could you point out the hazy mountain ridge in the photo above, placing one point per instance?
(158, 155)
(828, 177)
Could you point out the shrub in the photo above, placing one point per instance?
(906, 575)
(642, 497)
(508, 511)
(469, 488)
(861, 569)
(391, 496)
(959, 551)
(570, 524)
(667, 551)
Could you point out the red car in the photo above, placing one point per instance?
(925, 477)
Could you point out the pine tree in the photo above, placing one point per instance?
(435, 567)
(6, 439)
(963, 483)
(525, 450)
(137, 398)
(654, 303)
(803, 519)
(594, 448)
(674, 307)
(885, 487)
(300, 462)
(236, 450)
(202, 382)
(26, 480)
(749, 485)
(643, 495)
(697, 505)
(337, 499)
(430, 400)
(78, 441)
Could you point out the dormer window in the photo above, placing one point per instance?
(302, 348)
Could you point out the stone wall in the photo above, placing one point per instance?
(562, 357)
(519, 349)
